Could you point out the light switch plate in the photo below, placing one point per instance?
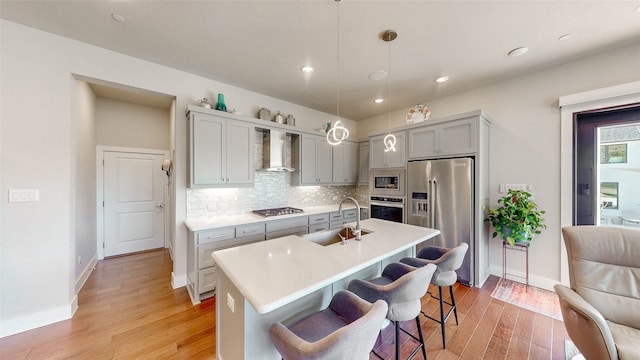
(24, 195)
(517, 187)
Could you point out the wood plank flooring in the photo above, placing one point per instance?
(128, 310)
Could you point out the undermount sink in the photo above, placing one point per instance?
(329, 237)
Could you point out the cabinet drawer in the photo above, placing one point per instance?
(278, 225)
(318, 227)
(251, 229)
(333, 216)
(300, 230)
(210, 236)
(249, 239)
(207, 279)
(204, 255)
(350, 215)
(336, 224)
(318, 218)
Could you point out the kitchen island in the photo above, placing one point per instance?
(287, 278)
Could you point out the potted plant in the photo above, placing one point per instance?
(517, 218)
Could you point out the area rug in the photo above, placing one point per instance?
(570, 351)
(535, 299)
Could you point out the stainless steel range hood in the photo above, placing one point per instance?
(275, 151)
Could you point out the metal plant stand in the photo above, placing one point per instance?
(523, 247)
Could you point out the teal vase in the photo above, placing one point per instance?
(220, 105)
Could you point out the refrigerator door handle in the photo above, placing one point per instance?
(432, 190)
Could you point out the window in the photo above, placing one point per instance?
(613, 154)
(609, 195)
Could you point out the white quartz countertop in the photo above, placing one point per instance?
(273, 273)
(250, 217)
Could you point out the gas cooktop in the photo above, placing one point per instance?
(277, 211)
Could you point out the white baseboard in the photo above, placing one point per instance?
(178, 281)
(91, 265)
(534, 280)
(31, 321)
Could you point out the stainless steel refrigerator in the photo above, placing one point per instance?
(440, 194)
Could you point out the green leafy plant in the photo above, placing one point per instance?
(517, 218)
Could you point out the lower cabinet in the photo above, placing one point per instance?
(318, 222)
(202, 273)
(294, 226)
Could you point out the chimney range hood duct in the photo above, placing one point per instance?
(275, 151)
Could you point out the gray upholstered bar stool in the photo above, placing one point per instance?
(347, 329)
(401, 287)
(447, 261)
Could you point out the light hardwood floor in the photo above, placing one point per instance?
(128, 310)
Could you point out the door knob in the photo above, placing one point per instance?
(160, 206)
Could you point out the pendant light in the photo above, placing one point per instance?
(390, 139)
(338, 132)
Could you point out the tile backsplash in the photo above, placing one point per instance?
(270, 190)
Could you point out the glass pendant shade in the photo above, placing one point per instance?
(389, 143)
(337, 134)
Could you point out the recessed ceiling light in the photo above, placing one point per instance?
(442, 79)
(307, 69)
(119, 18)
(518, 51)
(378, 75)
(565, 37)
(378, 100)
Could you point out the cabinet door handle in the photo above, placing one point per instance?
(215, 236)
(249, 231)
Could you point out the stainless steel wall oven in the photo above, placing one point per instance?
(390, 208)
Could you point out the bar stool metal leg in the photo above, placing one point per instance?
(453, 304)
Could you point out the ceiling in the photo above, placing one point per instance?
(261, 45)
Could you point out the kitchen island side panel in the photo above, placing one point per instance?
(244, 333)
(230, 325)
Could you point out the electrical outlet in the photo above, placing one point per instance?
(231, 303)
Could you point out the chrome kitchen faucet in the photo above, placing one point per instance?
(358, 231)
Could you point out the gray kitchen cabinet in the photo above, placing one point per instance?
(451, 138)
(202, 274)
(380, 159)
(363, 163)
(220, 151)
(318, 222)
(364, 213)
(298, 225)
(345, 163)
(312, 157)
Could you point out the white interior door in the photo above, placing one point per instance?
(133, 202)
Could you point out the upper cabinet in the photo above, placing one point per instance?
(450, 138)
(220, 151)
(312, 158)
(345, 163)
(380, 159)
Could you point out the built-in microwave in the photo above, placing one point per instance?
(387, 182)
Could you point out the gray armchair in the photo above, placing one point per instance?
(347, 329)
(601, 310)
